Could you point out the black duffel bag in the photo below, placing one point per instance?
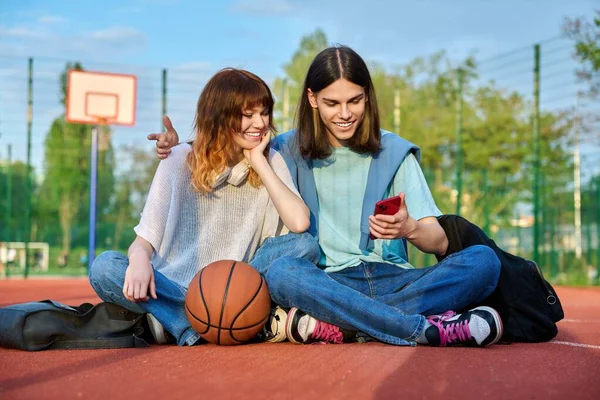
(527, 303)
(49, 324)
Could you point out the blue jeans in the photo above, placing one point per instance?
(107, 277)
(381, 300)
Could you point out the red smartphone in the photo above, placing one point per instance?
(389, 206)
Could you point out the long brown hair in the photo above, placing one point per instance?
(219, 115)
(328, 66)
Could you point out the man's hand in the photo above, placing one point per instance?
(139, 280)
(399, 225)
(165, 140)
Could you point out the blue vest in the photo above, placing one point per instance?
(383, 168)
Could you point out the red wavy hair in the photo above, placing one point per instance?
(219, 116)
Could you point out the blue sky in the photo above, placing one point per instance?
(196, 38)
(262, 34)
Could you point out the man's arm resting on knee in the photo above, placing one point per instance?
(428, 236)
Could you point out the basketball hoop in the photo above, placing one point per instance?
(99, 98)
(103, 121)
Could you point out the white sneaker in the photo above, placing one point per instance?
(161, 336)
(274, 329)
(302, 328)
(479, 327)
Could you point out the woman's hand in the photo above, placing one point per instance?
(139, 280)
(256, 156)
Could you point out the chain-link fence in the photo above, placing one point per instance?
(509, 142)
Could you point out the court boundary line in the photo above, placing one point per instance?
(574, 344)
(587, 321)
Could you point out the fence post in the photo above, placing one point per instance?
(543, 214)
(577, 183)
(285, 105)
(598, 229)
(589, 214)
(459, 126)
(397, 115)
(8, 204)
(561, 233)
(553, 260)
(518, 219)
(536, 152)
(28, 171)
(486, 203)
(164, 98)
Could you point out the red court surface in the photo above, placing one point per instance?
(566, 368)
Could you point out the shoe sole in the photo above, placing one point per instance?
(288, 333)
(497, 319)
(157, 330)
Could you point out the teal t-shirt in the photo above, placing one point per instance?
(341, 181)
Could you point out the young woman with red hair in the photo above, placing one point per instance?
(217, 197)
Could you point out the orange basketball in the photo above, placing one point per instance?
(228, 302)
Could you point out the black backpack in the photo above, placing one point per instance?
(51, 325)
(526, 302)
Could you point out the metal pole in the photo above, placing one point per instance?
(589, 214)
(518, 233)
(459, 123)
(93, 184)
(164, 98)
(397, 110)
(577, 183)
(559, 235)
(536, 152)
(486, 203)
(286, 106)
(8, 204)
(544, 221)
(28, 171)
(598, 229)
(553, 262)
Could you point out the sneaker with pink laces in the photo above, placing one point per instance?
(478, 327)
(301, 328)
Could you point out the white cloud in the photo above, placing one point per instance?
(21, 32)
(51, 19)
(25, 41)
(27, 13)
(13, 49)
(262, 7)
(192, 66)
(116, 33)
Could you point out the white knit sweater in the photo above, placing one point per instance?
(189, 230)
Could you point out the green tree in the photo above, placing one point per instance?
(131, 190)
(17, 198)
(586, 35)
(496, 136)
(497, 131)
(295, 71)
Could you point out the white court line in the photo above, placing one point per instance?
(586, 321)
(587, 346)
